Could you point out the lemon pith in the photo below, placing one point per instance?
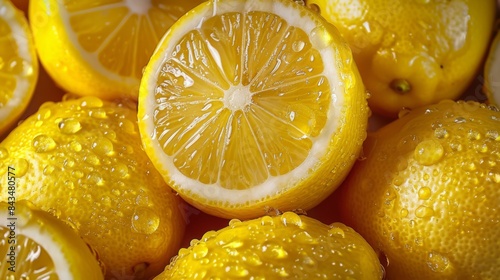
(492, 72)
(44, 247)
(18, 65)
(104, 45)
(233, 115)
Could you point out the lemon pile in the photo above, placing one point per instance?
(237, 118)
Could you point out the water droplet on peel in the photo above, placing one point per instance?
(437, 262)
(460, 120)
(128, 126)
(304, 237)
(121, 170)
(274, 251)
(441, 133)
(75, 146)
(429, 152)
(98, 113)
(493, 135)
(43, 143)
(145, 221)
(473, 135)
(3, 153)
(91, 102)
(69, 126)
(424, 193)
(424, 212)
(321, 37)
(266, 221)
(103, 146)
(290, 218)
(236, 271)
(200, 250)
(336, 231)
(403, 213)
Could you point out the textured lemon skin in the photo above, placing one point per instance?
(82, 159)
(436, 46)
(40, 226)
(15, 110)
(426, 195)
(286, 246)
(339, 156)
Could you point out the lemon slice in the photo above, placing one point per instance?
(36, 245)
(18, 64)
(100, 47)
(252, 105)
(492, 72)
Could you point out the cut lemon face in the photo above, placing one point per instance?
(36, 245)
(492, 72)
(100, 47)
(252, 105)
(18, 64)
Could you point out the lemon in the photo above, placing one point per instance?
(18, 65)
(428, 193)
(286, 246)
(36, 245)
(492, 72)
(82, 160)
(413, 53)
(248, 106)
(100, 48)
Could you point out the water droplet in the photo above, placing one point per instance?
(96, 179)
(127, 126)
(321, 37)
(145, 221)
(429, 152)
(290, 218)
(274, 251)
(75, 146)
(49, 169)
(98, 113)
(460, 120)
(337, 232)
(473, 135)
(92, 159)
(44, 114)
(3, 153)
(91, 102)
(403, 213)
(234, 222)
(69, 126)
(120, 170)
(266, 221)
(236, 271)
(424, 212)
(200, 250)
(493, 135)
(441, 133)
(253, 259)
(303, 237)
(437, 262)
(298, 46)
(424, 193)
(407, 143)
(103, 146)
(43, 143)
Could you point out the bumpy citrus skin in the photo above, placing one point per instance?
(413, 53)
(45, 245)
(286, 246)
(82, 159)
(428, 193)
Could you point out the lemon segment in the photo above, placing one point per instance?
(18, 65)
(492, 72)
(106, 44)
(243, 101)
(39, 246)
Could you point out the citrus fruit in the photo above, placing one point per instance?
(427, 194)
(18, 65)
(413, 53)
(82, 160)
(492, 72)
(36, 245)
(100, 48)
(286, 246)
(247, 106)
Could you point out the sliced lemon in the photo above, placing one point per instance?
(492, 72)
(18, 64)
(248, 106)
(36, 245)
(100, 47)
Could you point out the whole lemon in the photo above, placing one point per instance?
(82, 160)
(413, 53)
(286, 246)
(427, 194)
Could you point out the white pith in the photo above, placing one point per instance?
(275, 184)
(493, 70)
(22, 82)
